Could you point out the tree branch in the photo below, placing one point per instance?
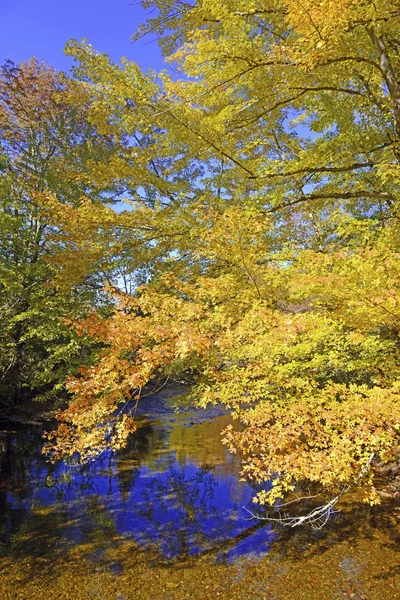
(333, 195)
(319, 516)
(343, 169)
(389, 75)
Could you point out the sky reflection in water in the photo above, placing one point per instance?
(174, 489)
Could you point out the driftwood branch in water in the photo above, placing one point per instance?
(317, 517)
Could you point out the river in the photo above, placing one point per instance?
(163, 519)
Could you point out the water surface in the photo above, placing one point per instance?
(164, 518)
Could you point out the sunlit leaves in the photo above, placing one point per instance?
(271, 237)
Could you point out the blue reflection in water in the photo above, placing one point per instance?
(174, 489)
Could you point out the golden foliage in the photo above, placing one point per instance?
(271, 244)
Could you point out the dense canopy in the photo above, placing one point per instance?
(257, 252)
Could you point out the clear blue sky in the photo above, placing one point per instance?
(42, 27)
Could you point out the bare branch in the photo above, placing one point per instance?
(319, 516)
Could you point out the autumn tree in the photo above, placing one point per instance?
(48, 150)
(272, 241)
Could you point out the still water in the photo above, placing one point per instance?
(164, 519)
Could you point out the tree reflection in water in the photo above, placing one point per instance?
(173, 488)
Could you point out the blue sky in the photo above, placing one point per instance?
(42, 27)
